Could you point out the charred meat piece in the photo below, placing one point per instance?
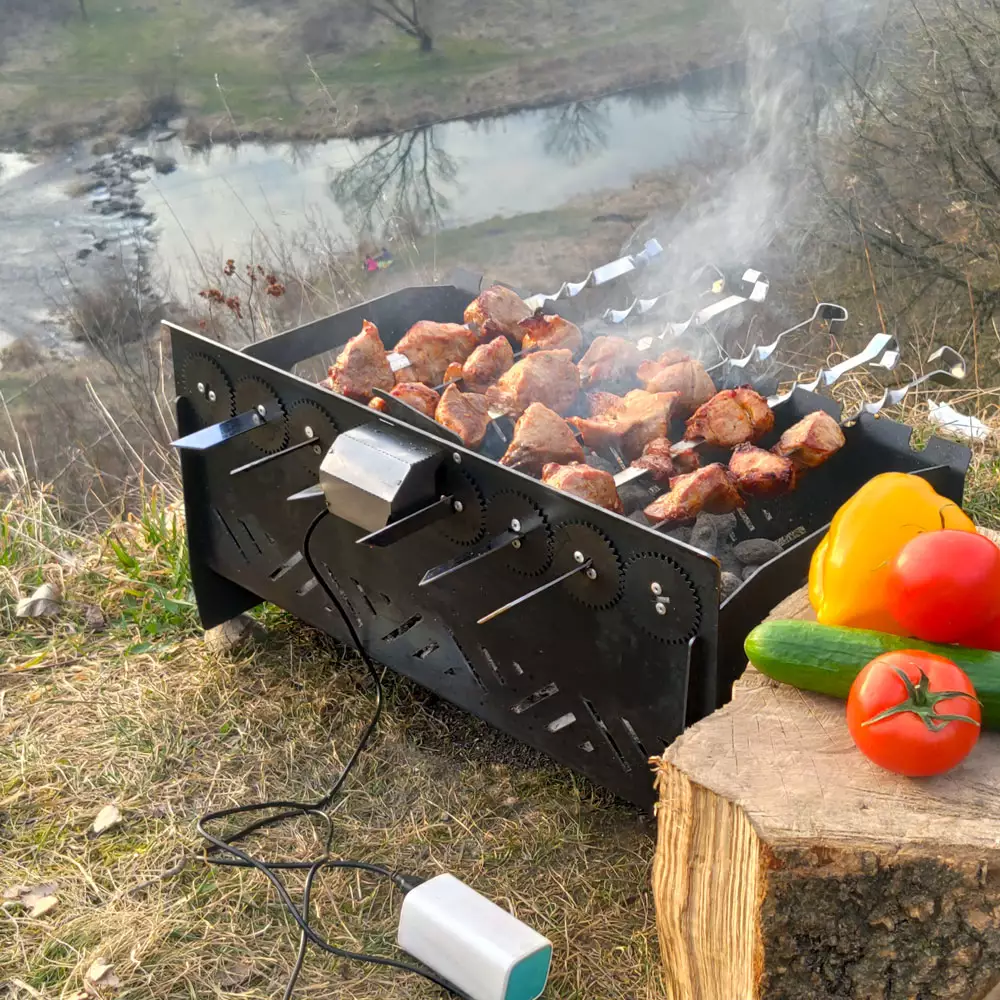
(657, 459)
(599, 403)
(731, 417)
(685, 460)
(548, 377)
(498, 310)
(585, 482)
(642, 417)
(454, 371)
(549, 333)
(361, 366)
(812, 440)
(760, 473)
(486, 364)
(711, 490)
(430, 348)
(541, 436)
(421, 397)
(688, 378)
(609, 359)
(465, 414)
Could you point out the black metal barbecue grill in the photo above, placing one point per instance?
(624, 643)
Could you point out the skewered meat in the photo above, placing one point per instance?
(498, 310)
(685, 460)
(430, 347)
(361, 366)
(548, 377)
(759, 473)
(421, 397)
(711, 490)
(585, 482)
(731, 417)
(641, 417)
(812, 440)
(599, 403)
(688, 378)
(609, 359)
(657, 459)
(483, 366)
(465, 414)
(541, 436)
(675, 356)
(549, 333)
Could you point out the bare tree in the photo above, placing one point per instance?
(917, 176)
(413, 17)
(83, 10)
(399, 180)
(572, 132)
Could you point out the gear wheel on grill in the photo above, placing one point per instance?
(252, 393)
(207, 387)
(600, 587)
(661, 598)
(309, 422)
(531, 556)
(466, 526)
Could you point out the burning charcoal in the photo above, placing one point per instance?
(748, 571)
(705, 535)
(730, 584)
(757, 551)
(724, 523)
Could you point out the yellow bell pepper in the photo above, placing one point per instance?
(849, 569)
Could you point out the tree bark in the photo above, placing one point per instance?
(790, 868)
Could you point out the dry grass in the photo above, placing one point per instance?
(143, 716)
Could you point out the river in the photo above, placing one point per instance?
(216, 202)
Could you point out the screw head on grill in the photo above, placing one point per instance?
(513, 511)
(661, 598)
(207, 387)
(253, 394)
(467, 524)
(600, 585)
(309, 422)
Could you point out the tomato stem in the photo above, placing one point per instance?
(923, 702)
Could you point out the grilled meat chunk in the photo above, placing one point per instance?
(548, 377)
(585, 482)
(465, 414)
(648, 369)
(485, 365)
(609, 359)
(430, 348)
(421, 397)
(361, 366)
(688, 378)
(711, 490)
(541, 436)
(498, 310)
(657, 459)
(760, 473)
(599, 403)
(549, 333)
(641, 417)
(731, 417)
(812, 440)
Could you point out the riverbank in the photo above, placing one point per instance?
(232, 72)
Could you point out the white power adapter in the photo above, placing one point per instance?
(484, 950)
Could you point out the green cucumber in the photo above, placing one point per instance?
(827, 658)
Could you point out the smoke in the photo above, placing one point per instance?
(754, 191)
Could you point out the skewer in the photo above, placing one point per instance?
(586, 565)
(513, 536)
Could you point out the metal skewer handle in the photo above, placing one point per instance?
(599, 276)
(830, 312)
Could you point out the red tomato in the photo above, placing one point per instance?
(987, 637)
(943, 585)
(920, 726)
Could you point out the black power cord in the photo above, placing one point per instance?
(223, 851)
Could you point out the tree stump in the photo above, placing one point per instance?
(790, 868)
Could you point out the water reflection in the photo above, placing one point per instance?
(575, 131)
(400, 181)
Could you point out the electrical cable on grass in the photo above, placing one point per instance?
(224, 852)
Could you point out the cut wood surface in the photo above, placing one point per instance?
(788, 867)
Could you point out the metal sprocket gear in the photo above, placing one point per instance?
(600, 587)
(468, 525)
(309, 422)
(207, 387)
(532, 555)
(661, 598)
(252, 393)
